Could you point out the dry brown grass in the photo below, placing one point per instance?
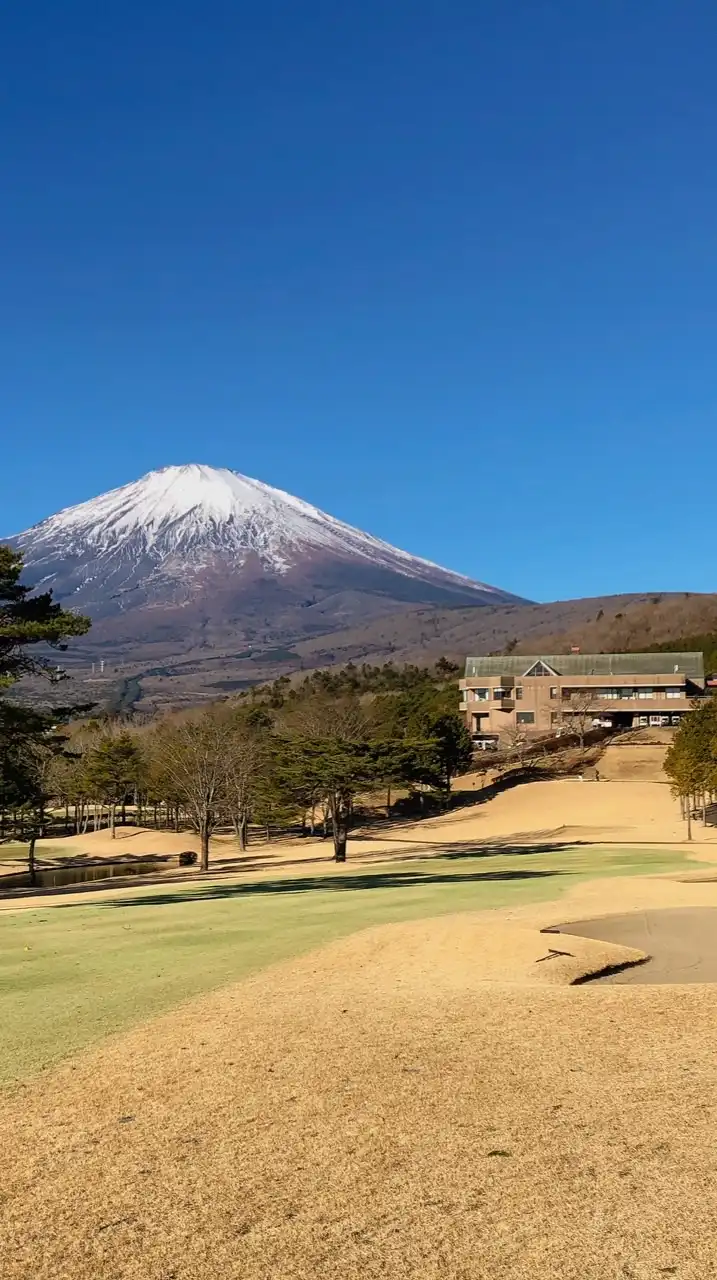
(420, 1100)
(537, 814)
(425, 1100)
(634, 762)
(620, 809)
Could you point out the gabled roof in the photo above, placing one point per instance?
(591, 664)
(540, 668)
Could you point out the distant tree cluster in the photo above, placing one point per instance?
(361, 680)
(691, 761)
(238, 763)
(706, 644)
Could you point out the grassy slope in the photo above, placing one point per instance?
(72, 974)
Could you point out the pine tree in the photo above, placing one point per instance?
(28, 738)
(112, 770)
(691, 760)
(27, 620)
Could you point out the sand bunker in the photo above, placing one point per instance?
(681, 943)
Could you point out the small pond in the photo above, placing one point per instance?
(57, 877)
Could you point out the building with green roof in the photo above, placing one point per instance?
(510, 695)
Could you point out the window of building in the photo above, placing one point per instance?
(553, 691)
(540, 668)
(498, 694)
(674, 693)
(609, 693)
(525, 717)
(519, 691)
(645, 693)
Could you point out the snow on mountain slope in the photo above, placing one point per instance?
(175, 522)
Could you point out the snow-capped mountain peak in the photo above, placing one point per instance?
(192, 512)
(197, 550)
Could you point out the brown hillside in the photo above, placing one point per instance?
(212, 667)
(599, 624)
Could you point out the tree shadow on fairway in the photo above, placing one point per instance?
(456, 850)
(351, 881)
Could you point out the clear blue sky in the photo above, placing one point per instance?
(446, 268)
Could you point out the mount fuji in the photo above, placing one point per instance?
(190, 556)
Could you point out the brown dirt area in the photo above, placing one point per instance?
(633, 761)
(421, 1100)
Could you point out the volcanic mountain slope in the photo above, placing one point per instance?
(195, 556)
(422, 635)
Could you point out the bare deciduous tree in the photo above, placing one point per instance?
(516, 742)
(246, 768)
(579, 711)
(195, 756)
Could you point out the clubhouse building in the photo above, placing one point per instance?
(542, 693)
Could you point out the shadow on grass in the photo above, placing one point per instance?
(452, 850)
(331, 883)
(410, 852)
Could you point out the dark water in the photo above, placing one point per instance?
(56, 877)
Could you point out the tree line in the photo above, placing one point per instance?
(282, 755)
(234, 764)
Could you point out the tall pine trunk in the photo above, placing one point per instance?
(113, 831)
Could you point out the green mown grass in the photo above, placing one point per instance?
(72, 973)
